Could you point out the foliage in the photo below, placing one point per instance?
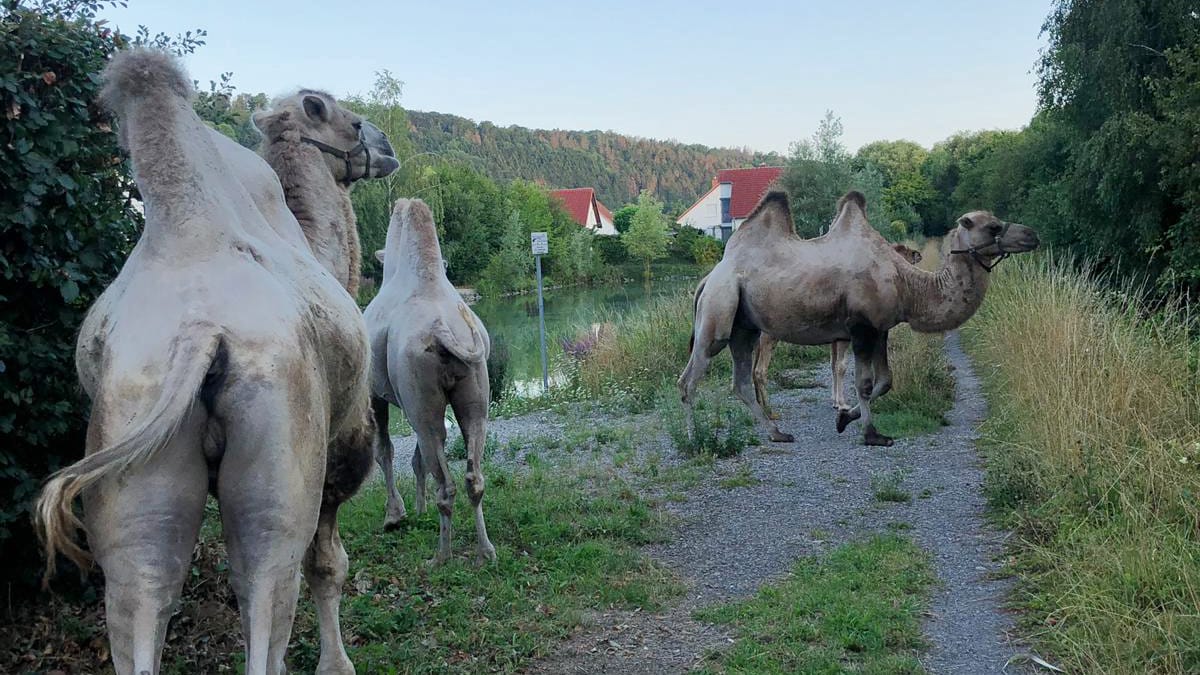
(66, 224)
(720, 427)
(623, 218)
(707, 251)
(646, 239)
(568, 552)
(230, 113)
(511, 268)
(1092, 459)
(618, 167)
(857, 610)
(499, 379)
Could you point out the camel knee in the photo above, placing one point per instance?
(474, 481)
(326, 568)
(865, 387)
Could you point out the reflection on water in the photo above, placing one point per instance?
(569, 311)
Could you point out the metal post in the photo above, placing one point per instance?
(542, 326)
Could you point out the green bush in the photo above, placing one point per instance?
(66, 225)
(723, 428)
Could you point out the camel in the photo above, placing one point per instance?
(846, 285)
(319, 149)
(223, 358)
(839, 355)
(428, 350)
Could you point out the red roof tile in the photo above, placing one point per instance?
(577, 202)
(749, 185)
(604, 212)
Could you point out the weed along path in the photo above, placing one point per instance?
(820, 555)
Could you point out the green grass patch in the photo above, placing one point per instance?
(922, 385)
(722, 427)
(888, 488)
(856, 610)
(741, 478)
(1092, 460)
(562, 550)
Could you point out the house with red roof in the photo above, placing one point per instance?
(734, 194)
(586, 210)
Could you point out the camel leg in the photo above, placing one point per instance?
(762, 361)
(470, 402)
(741, 345)
(325, 561)
(142, 527)
(269, 490)
(384, 454)
(839, 357)
(420, 473)
(431, 438)
(881, 369)
(697, 367)
(866, 343)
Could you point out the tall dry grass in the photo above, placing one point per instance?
(1093, 447)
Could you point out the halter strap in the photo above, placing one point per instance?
(978, 257)
(345, 155)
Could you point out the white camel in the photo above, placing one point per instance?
(222, 358)
(428, 350)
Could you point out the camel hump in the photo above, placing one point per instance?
(855, 197)
(773, 211)
(139, 73)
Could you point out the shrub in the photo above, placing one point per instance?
(722, 427)
(497, 365)
(67, 226)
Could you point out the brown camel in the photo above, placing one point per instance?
(223, 358)
(839, 356)
(319, 149)
(429, 350)
(846, 285)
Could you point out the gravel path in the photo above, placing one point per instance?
(812, 495)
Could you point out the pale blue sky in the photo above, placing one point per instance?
(755, 74)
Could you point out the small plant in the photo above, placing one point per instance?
(887, 488)
(741, 478)
(721, 429)
(457, 448)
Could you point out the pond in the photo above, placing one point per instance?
(513, 322)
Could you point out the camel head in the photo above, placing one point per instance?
(988, 240)
(353, 147)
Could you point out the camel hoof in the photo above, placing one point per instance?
(780, 437)
(486, 556)
(392, 524)
(843, 419)
(337, 666)
(873, 437)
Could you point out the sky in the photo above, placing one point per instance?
(735, 74)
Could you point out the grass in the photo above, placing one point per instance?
(887, 488)
(741, 478)
(1093, 459)
(856, 610)
(566, 547)
(721, 427)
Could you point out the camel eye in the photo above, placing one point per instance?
(358, 125)
(995, 228)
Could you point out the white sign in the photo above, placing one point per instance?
(541, 242)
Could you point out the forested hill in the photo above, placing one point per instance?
(617, 166)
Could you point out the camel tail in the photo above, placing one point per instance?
(54, 518)
(473, 353)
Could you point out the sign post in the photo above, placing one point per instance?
(540, 242)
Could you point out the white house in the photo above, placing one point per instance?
(734, 194)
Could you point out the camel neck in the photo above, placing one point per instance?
(320, 204)
(939, 301)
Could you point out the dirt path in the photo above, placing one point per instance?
(814, 495)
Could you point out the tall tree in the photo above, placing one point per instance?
(646, 239)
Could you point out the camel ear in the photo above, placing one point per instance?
(315, 108)
(966, 223)
(379, 256)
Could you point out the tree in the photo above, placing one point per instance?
(646, 239)
(511, 267)
(623, 217)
